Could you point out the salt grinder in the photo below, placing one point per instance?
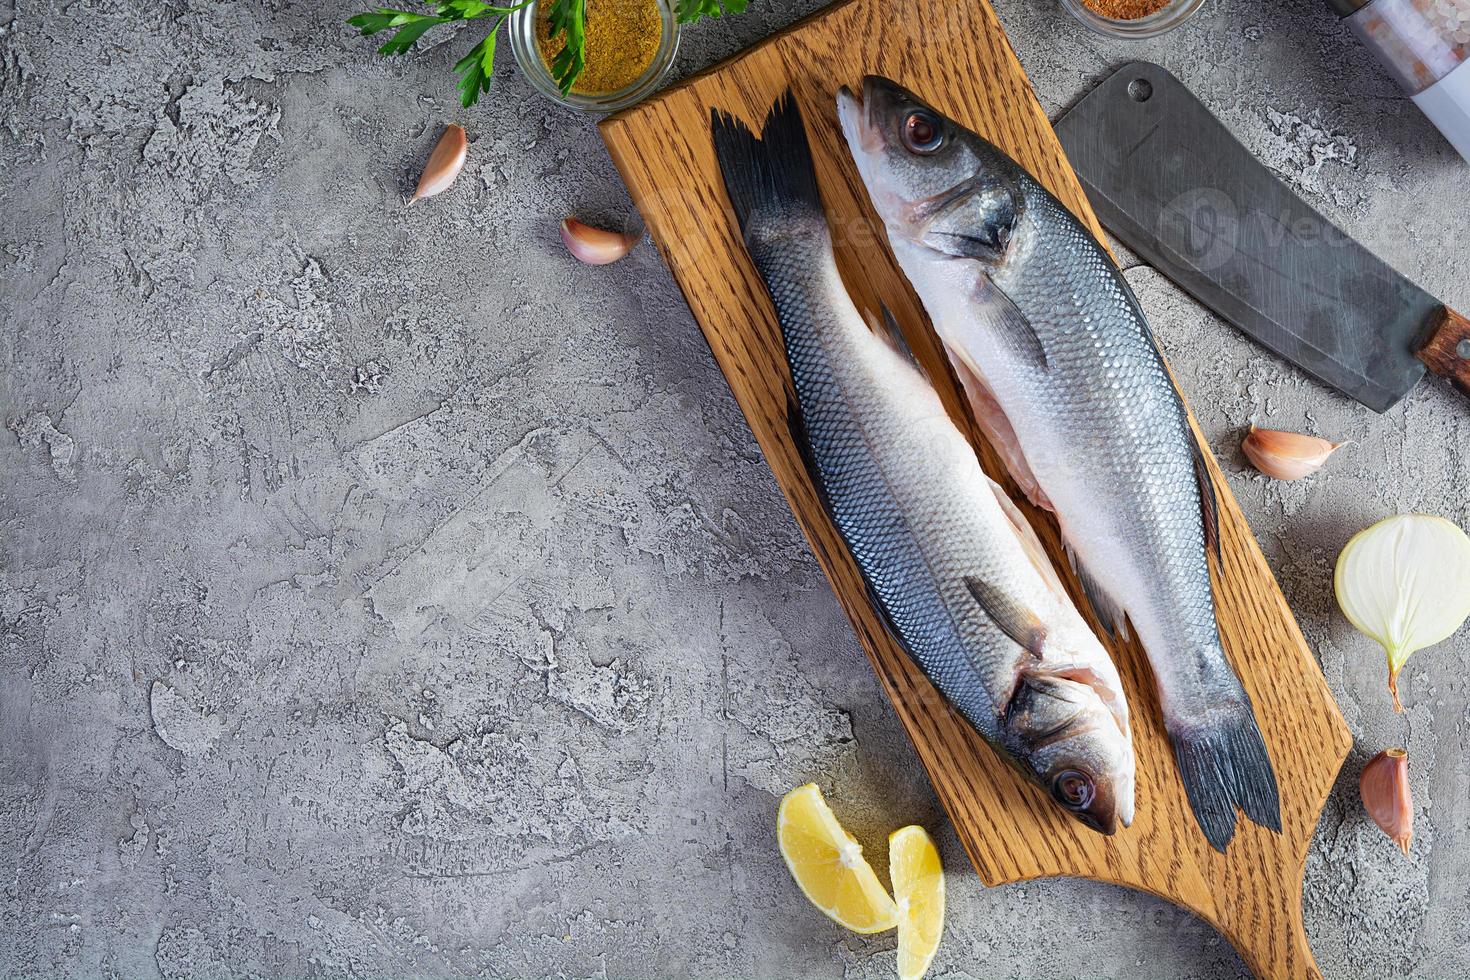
(1425, 44)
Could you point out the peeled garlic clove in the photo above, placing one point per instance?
(1287, 455)
(445, 163)
(595, 246)
(1385, 789)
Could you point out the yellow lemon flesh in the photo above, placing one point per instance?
(828, 864)
(918, 886)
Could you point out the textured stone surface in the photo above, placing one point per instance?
(384, 594)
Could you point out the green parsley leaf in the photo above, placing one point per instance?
(569, 17)
(462, 9)
(381, 19)
(475, 69)
(688, 11)
(566, 17)
(410, 26)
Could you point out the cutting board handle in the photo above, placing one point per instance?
(1448, 350)
(1277, 947)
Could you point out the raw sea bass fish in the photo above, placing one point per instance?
(1064, 376)
(953, 569)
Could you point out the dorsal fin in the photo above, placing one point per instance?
(796, 426)
(1208, 498)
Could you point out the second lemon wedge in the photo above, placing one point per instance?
(918, 885)
(829, 866)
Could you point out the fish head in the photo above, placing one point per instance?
(935, 184)
(1072, 738)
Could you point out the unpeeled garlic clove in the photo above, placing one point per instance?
(445, 163)
(1287, 455)
(1385, 789)
(595, 246)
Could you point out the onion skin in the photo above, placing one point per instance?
(595, 246)
(1384, 786)
(1287, 455)
(1405, 582)
(445, 163)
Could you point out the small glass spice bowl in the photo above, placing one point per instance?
(523, 25)
(1164, 19)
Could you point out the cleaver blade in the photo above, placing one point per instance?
(1169, 180)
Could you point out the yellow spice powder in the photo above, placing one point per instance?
(622, 38)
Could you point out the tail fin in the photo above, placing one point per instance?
(770, 177)
(1224, 763)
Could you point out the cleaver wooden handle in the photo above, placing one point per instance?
(1448, 350)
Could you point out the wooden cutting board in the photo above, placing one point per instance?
(954, 54)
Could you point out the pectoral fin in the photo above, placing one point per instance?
(1013, 618)
(1011, 327)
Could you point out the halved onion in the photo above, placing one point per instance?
(1405, 582)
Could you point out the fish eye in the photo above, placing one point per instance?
(1074, 789)
(922, 131)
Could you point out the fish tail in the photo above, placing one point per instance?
(1224, 764)
(770, 178)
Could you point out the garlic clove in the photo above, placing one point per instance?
(595, 246)
(1287, 455)
(444, 164)
(1384, 786)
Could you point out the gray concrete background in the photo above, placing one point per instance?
(386, 594)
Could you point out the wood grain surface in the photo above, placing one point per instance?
(954, 54)
(1448, 350)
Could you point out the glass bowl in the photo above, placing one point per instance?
(1156, 23)
(528, 56)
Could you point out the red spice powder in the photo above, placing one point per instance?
(1126, 9)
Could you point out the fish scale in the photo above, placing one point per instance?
(945, 565)
(1062, 371)
(954, 647)
(1144, 467)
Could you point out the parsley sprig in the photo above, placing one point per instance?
(474, 68)
(688, 11)
(567, 18)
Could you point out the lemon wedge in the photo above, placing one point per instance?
(829, 866)
(918, 886)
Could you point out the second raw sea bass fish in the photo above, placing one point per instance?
(1063, 373)
(953, 569)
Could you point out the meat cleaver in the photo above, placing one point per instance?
(1170, 181)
